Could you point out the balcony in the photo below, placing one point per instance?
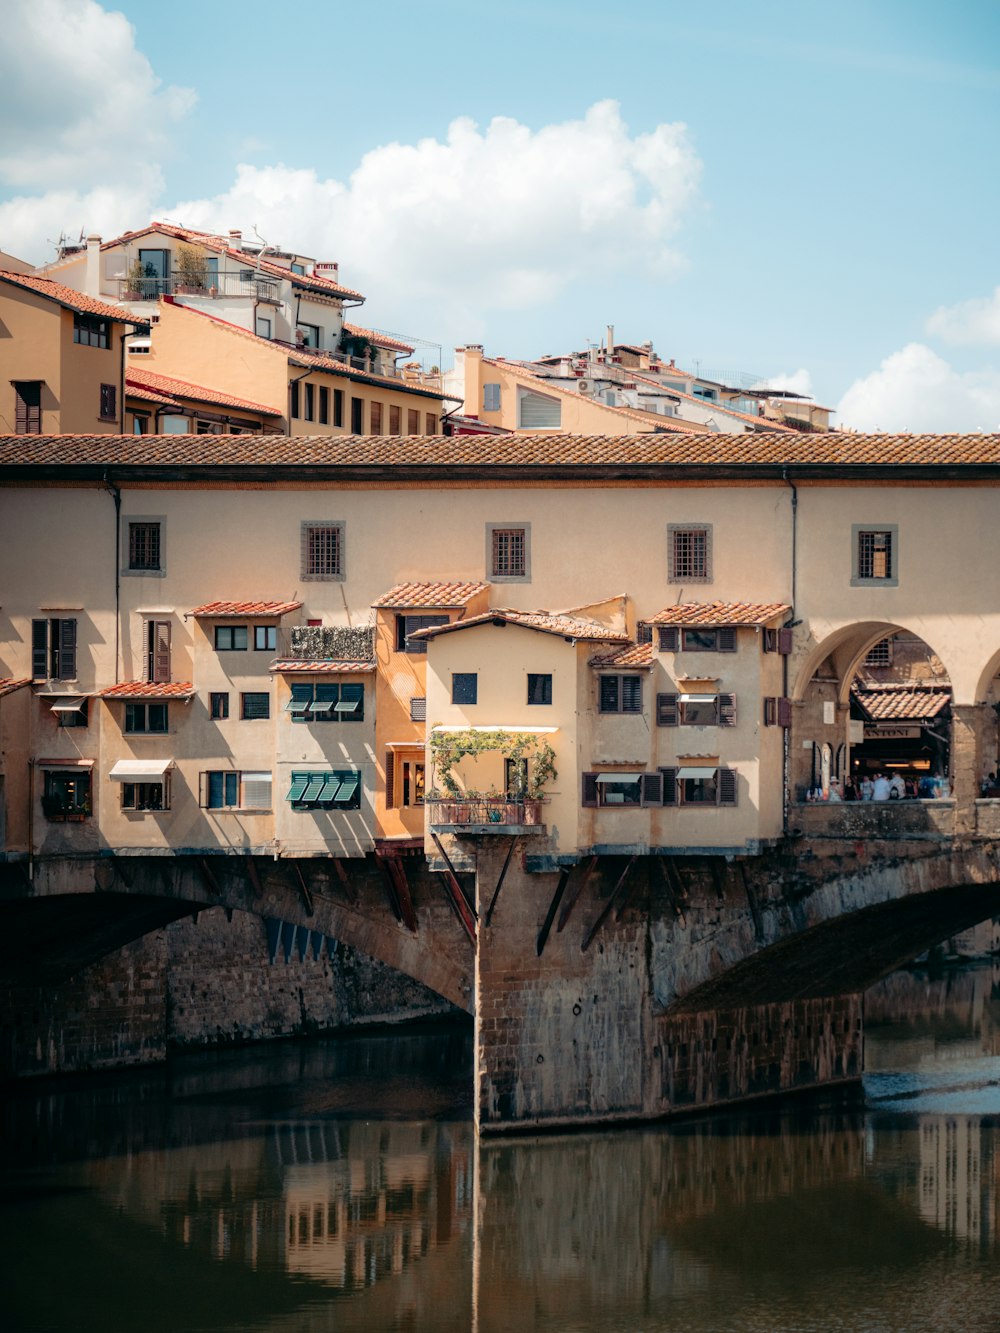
(242, 282)
(475, 815)
(326, 643)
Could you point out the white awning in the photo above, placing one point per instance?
(68, 705)
(532, 731)
(140, 770)
(620, 777)
(697, 698)
(696, 774)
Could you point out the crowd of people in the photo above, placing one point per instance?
(882, 786)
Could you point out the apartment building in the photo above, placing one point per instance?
(310, 646)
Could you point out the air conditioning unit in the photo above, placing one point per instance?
(584, 386)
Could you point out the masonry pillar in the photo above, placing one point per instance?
(968, 726)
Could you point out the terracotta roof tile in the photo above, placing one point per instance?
(902, 703)
(167, 384)
(761, 423)
(630, 655)
(8, 684)
(143, 394)
(66, 296)
(379, 339)
(548, 622)
(244, 610)
(317, 667)
(490, 453)
(431, 594)
(720, 613)
(149, 689)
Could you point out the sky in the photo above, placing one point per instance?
(801, 192)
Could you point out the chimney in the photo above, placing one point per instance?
(236, 239)
(469, 374)
(92, 278)
(611, 340)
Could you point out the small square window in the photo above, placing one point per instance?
(876, 558)
(491, 397)
(464, 687)
(219, 705)
(322, 551)
(144, 546)
(418, 708)
(231, 638)
(146, 718)
(508, 552)
(145, 796)
(689, 553)
(620, 694)
(265, 638)
(539, 688)
(255, 706)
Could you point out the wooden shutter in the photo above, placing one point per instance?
(784, 712)
(631, 695)
(727, 639)
(669, 791)
(39, 649)
(669, 638)
(390, 780)
(28, 407)
(589, 796)
(769, 642)
(770, 711)
(67, 649)
(726, 786)
(666, 710)
(109, 402)
(609, 686)
(157, 636)
(727, 710)
(651, 788)
(784, 642)
(203, 789)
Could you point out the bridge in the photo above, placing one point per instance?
(623, 987)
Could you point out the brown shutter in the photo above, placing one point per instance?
(161, 651)
(669, 776)
(666, 710)
(769, 643)
(669, 638)
(390, 780)
(39, 649)
(726, 780)
(28, 407)
(727, 710)
(784, 642)
(727, 639)
(589, 797)
(784, 712)
(67, 649)
(651, 788)
(770, 710)
(203, 790)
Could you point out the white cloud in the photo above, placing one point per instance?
(968, 322)
(79, 104)
(799, 381)
(917, 390)
(501, 218)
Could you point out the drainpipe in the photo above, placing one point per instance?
(288, 399)
(116, 495)
(786, 774)
(31, 821)
(121, 389)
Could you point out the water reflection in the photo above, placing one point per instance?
(248, 1193)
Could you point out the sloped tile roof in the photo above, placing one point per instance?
(630, 655)
(143, 394)
(244, 610)
(760, 423)
(539, 451)
(907, 703)
(8, 684)
(175, 388)
(316, 667)
(66, 296)
(720, 613)
(431, 594)
(149, 689)
(379, 339)
(548, 622)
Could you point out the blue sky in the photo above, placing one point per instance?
(778, 188)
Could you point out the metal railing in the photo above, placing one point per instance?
(482, 810)
(243, 282)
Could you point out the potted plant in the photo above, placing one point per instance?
(192, 270)
(133, 281)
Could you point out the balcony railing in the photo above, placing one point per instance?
(483, 811)
(243, 282)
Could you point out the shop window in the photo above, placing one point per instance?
(464, 687)
(620, 694)
(231, 638)
(539, 688)
(53, 649)
(66, 794)
(255, 706)
(407, 625)
(689, 553)
(322, 551)
(146, 719)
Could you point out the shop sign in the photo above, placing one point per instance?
(891, 731)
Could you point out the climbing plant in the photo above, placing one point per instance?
(449, 748)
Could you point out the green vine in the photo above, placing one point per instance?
(449, 748)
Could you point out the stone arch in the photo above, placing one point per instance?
(847, 647)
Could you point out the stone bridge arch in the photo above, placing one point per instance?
(75, 911)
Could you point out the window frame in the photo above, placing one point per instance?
(678, 531)
(108, 407)
(253, 716)
(127, 522)
(220, 631)
(331, 807)
(91, 331)
(307, 528)
(135, 808)
(236, 778)
(153, 539)
(268, 632)
(859, 530)
(331, 694)
(543, 685)
(621, 704)
(470, 686)
(218, 705)
(63, 776)
(496, 575)
(406, 626)
(142, 709)
(54, 648)
(27, 415)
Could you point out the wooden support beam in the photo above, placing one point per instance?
(672, 896)
(390, 885)
(550, 916)
(208, 877)
(457, 896)
(345, 881)
(122, 873)
(503, 873)
(451, 870)
(398, 872)
(627, 894)
(718, 878)
(606, 909)
(254, 877)
(582, 879)
(307, 897)
(758, 924)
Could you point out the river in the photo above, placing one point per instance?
(337, 1185)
